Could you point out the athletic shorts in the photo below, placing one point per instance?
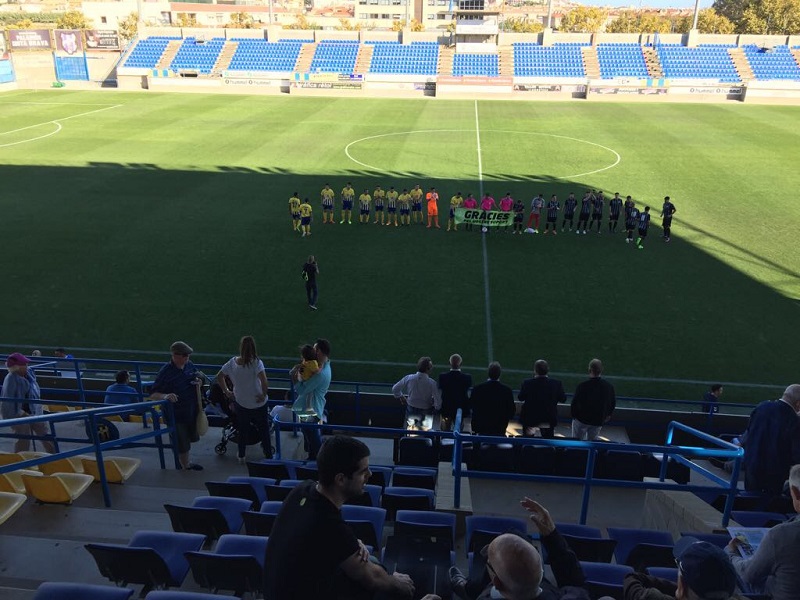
(569, 216)
(327, 207)
(347, 205)
(517, 218)
(667, 222)
(433, 212)
(305, 221)
(416, 207)
(364, 211)
(584, 217)
(597, 216)
(295, 216)
(643, 233)
(392, 209)
(552, 219)
(613, 218)
(379, 208)
(403, 211)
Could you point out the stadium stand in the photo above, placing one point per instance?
(778, 63)
(621, 60)
(260, 55)
(147, 52)
(702, 62)
(560, 60)
(485, 65)
(417, 58)
(335, 56)
(197, 55)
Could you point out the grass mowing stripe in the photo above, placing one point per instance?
(486, 299)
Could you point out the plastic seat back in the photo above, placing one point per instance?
(80, 591)
(228, 489)
(9, 504)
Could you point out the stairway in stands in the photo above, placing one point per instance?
(364, 58)
(305, 57)
(591, 62)
(741, 64)
(654, 68)
(445, 66)
(506, 61)
(169, 53)
(225, 57)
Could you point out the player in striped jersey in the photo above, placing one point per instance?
(363, 203)
(552, 214)
(644, 223)
(294, 211)
(416, 204)
(597, 210)
(305, 217)
(391, 206)
(405, 207)
(569, 211)
(519, 215)
(667, 210)
(586, 209)
(379, 196)
(455, 202)
(631, 219)
(348, 195)
(326, 195)
(614, 208)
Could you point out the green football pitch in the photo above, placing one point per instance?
(129, 220)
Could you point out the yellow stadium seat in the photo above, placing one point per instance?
(62, 465)
(61, 488)
(9, 458)
(12, 482)
(9, 504)
(118, 469)
(115, 418)
(54, 408)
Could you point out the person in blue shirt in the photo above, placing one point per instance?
(121, 392)
(316, 388)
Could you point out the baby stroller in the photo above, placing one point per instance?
(230, 433)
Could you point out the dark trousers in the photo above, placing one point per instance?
(311, 292)
(313, 439)
(258, 418)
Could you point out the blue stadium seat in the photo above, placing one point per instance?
(80, 591)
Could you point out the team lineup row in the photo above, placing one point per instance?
(387, 204)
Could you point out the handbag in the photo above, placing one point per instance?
(201, 424)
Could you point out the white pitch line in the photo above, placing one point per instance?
(41, 137)
(60, 103)
(57, 121)
(486, 299)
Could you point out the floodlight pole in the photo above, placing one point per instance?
(550, 14)
(271, 18)
(139, 11)
(696, 13)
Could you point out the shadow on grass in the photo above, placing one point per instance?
(134, 256)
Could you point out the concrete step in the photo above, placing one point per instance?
(15, 593)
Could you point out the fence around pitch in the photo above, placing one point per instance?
(92, 443)
(682, 454)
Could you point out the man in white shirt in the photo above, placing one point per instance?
(420, 395)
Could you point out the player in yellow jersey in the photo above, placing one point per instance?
(348, 195)
(391, 206)
(455, 202)
(379, 196)
(416, 204)
(363, 203)
(294, 211)
(305, 217)
(405, 207)
(326, 195)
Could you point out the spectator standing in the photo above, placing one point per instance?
(317, 387)
(179, 382)
(248, 398)
(704, 573)
(772, 443)
(420, 395)
(21, 385)
(711, 398)
(312, 552)
(774, 569)
(593, 404)
(540, 397)
(492, 404)
(121, 392)
(310, 272)
(454, 388)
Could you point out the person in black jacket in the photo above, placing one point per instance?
(492, 404)
(540, 396)
(593, 404)
(514, 569)
(454, 387)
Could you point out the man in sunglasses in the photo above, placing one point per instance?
(704, 573)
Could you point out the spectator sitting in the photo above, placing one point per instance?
(774, 569)
(514, 568)
(65, 366)
(121, 392)
(704, 573)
